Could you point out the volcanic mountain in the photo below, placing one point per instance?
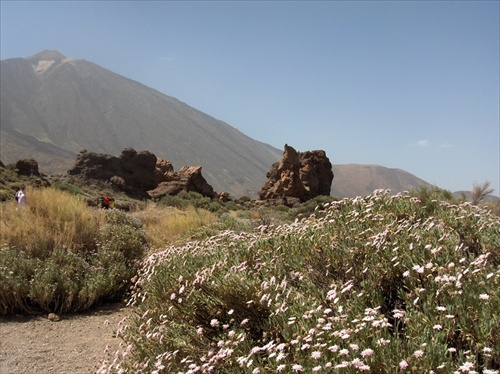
(52, 107)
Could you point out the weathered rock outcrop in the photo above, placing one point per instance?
(132, 171)
(140, 174)
(299, 175)
(27, 166)
(188, 178)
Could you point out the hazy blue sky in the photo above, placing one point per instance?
(410, 85)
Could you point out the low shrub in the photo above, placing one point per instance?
(309, 207)
(185, 199)
(71, 188)
(375, 284)
(60, 256)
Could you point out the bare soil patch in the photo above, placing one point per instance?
(75, 344)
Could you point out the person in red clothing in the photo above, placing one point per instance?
(106, 202)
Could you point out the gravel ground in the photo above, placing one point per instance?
(73, 345)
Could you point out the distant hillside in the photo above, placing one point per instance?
(353, 180)
(468, 196)
(53, 106)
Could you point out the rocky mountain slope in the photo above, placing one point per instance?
(353, 180)
(52, 107)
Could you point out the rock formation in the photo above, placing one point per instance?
(27, 166)
(140, 174)
(299, 175)
(188, 178)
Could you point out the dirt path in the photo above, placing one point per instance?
(73, 345)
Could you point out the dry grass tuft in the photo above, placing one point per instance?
(166, 225)
(51, 219)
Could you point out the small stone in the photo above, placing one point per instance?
(53, 317)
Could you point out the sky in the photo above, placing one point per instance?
(413, 85)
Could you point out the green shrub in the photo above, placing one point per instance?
(376, 283)
(309, 207)
(430, 197)
(184, 199)
(71, 188)
(225, 223)
(68, 258)
(174, 201)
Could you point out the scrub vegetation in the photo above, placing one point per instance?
(382, 284)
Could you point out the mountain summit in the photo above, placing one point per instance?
(53, 106)
(47, 55)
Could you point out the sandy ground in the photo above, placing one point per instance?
(73, 345)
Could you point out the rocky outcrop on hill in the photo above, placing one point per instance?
(188, 178)
(27, 166)
(299, 175)
(140, 174)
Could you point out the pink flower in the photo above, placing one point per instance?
(418, 353)
(484, 296)
(357, 363)
(367, 352)
(398, 313)
(466, 367)
(403, 365)
(297, 367)
(316, 355)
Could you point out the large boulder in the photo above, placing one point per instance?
(27, 166)
(140, 174)
(188, 178)
(132, 171)
(298, 175)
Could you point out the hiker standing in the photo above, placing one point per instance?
(21, 197)
(106, 202)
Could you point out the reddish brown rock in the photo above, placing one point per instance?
(164, 170)
(188, 178)
(27, 166)
(133, 171)
(300, 175)
(140, 174)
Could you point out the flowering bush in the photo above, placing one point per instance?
(377, 284)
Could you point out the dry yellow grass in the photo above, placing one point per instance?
(165, 225)
(51, 219)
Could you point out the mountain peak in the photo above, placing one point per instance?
(47, 55)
